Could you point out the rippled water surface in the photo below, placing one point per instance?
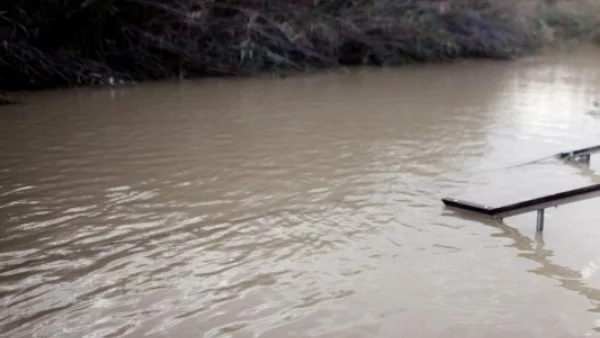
(306, 206)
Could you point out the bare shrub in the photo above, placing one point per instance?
(65, 43)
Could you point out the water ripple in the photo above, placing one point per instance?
(302, 207)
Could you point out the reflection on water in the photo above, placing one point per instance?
(534, 249)
(305, 206)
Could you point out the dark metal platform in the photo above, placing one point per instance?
(528, 205)
(538, 204)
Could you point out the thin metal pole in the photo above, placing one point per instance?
(540, 220)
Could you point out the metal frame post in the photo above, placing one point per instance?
(540, 220)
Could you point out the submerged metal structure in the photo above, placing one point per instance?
(538, 204)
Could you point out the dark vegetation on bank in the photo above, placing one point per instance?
(56, 43)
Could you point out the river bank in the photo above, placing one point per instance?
(48, 44)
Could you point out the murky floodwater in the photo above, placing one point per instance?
(302, 207)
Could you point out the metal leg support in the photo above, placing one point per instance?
(587, 158)
(540, 220)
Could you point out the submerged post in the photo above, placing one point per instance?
(540, 203)
(540, 220)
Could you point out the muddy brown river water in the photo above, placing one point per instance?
(306, 206)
